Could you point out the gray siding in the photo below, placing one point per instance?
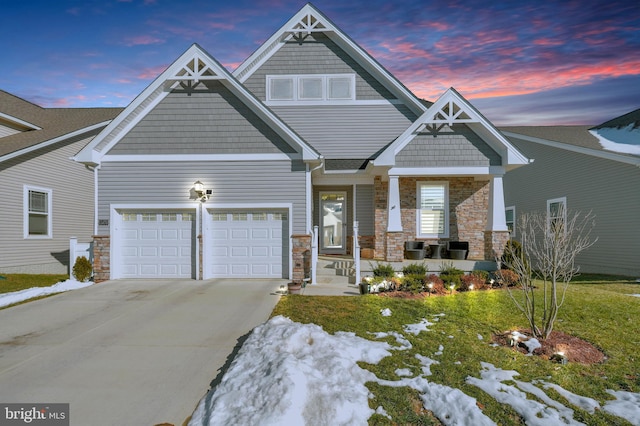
(232, 182)
(72, 205)
(609, 189)
(316, 55)
(451, 146)
(365, 209)
(349, 131)
(203, 121)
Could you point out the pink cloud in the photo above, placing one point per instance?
(547, 42)
(143, 40)
(151, 73)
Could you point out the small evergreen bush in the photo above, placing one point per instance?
(82, 269)
(415, 269)
(451, 275)
(383, 270)
(413, 283)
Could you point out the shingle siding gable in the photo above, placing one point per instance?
(317, 54)
(449, 147)
(208, 120)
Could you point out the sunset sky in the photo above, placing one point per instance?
(519, 62)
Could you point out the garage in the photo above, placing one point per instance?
(248, 243)
(156, 244)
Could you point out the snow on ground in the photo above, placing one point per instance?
(288, 373)
(7, 299)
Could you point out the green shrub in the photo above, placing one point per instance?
(82, 269)
(451, 275)
(413, 283)
(383, 270)
(483, 275)
(415, 269)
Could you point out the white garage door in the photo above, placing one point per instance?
(249, 244)
(156, 245)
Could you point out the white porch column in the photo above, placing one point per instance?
(496, 219)
(394, 219)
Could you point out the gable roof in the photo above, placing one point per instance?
(570, 138)
(630, 119)
(193, 65)
(452, 108)
(309, 20)
(42, 127)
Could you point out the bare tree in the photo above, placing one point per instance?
(550, 246)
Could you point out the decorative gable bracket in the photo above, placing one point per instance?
(195, 70)
(308, 23)
(448, 113)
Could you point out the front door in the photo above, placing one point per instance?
(333, 220)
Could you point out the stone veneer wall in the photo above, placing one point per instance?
(494, 243)
(101, 258)
(301, 257)
(468, 205)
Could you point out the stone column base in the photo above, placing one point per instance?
(301, 257)
(494, 244)
(394, 247)
(101, 258)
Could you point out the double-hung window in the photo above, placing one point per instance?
(433, 209)
(37, 212)
(556, 214)
(510, 218)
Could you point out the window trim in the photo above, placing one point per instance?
(444, 184)
(26, 212)
(512, 233)
(296, 81)
(561, 200)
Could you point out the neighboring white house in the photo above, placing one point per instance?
(45, 197)
(584, 169)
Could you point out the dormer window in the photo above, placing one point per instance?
(311, 88)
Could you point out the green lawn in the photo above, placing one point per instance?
(17, 282)
(598, 309)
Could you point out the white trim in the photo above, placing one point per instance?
(115, 224)
(25, 212)
(345, 222)
(206, 228)
(394, 211)
(53, 141)
(447, 171)
(513, 227)
(15, 120)
(197, 157)
(296, 81)
(496, 219)
(335, 103)
(447, 209)
(559, 200)
(579, 149)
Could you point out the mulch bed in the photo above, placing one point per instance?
(574, 348)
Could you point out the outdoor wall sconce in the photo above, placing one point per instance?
(201, 192)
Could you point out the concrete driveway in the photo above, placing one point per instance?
(128, 352)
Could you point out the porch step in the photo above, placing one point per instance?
(335, 271)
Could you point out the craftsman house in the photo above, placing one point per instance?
(209, 173)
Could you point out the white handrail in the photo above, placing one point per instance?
(314, 255)
(356, 251)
